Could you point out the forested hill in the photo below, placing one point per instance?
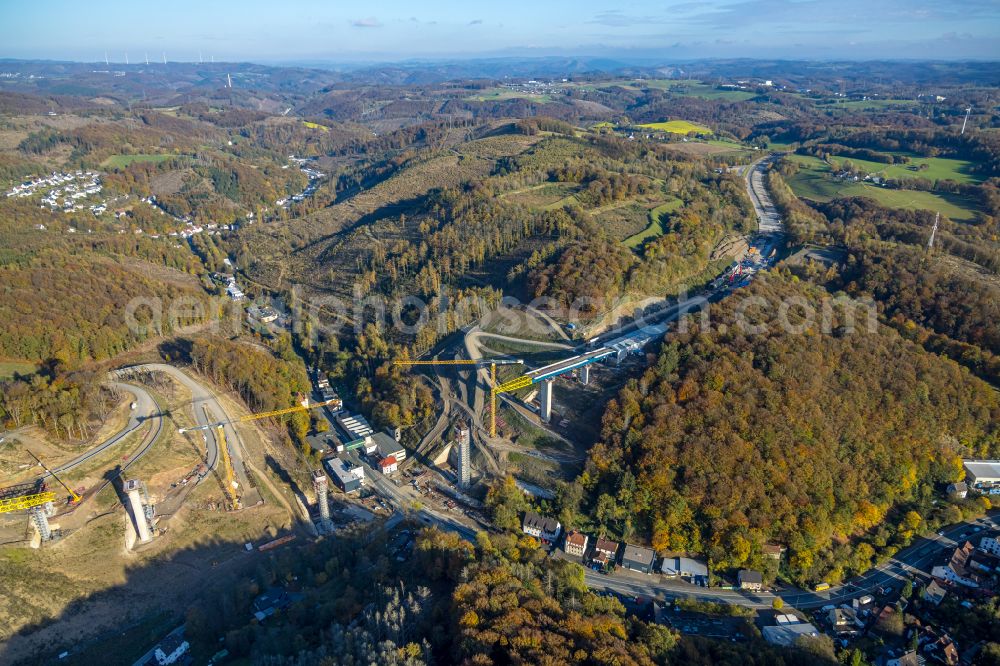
(827, 442)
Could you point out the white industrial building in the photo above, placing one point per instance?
(787, 634)
(982, 473)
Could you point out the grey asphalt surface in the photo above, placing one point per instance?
(146, 410)
(918, 559)
(204, 399)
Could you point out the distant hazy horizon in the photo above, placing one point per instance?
(330, 33)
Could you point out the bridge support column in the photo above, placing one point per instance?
(545, 400)
(585, 375)
(41, 522)
(321, 488)
(134, 492)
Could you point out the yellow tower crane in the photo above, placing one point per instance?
(72, 493)
(494, 389)
(29, 501)
(229, 483)
(36, 499)
(305, 405)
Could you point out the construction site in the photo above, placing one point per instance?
(169, 473)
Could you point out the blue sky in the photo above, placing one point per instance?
(270, 31)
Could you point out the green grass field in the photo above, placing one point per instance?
(122, 161)
(9, 368)
(815, 181)
(938, 168)
(694, 88)
(498, 94)
(678, 127)
(862, 105)
(657, 224)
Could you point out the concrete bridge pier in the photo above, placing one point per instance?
(545, 400)
(585, 375)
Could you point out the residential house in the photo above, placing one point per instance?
(576, 543)
(942, 649)
(957, 569)
(750, 580)
(683, 567)
(934, 593)
(884, 617)
(270, 602)
(637, 558)
(844, 620)
(960, 489)
(990, 545)
(234, 292)
(605, 551)
(170, 649)
(984, 562)
(388, 465)
(774, 551)
(546, 529)
(911, 658)
(262, 314)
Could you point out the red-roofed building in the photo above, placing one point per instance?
(576, 543)
(388, 465)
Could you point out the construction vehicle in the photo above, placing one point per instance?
(230, 487)
(72, 493)
(493, 363)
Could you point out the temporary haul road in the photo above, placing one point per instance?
(207, 409)
(146, 410)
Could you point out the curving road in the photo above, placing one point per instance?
(146, 410)
(207, 409)
(918, 559)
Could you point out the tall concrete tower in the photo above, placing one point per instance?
(464, 442)
(134, 491)
(321, 487)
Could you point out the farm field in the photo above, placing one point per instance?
(657, 219)
(694, 88)
(861, 105)
(938, 168)
(815, 181)
(310, 125)
(678, 127)
(123, 161)
(498, 94)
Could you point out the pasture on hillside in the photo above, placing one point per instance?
(677, 127)
(123, 161)
(815, 180)
(937, 168)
